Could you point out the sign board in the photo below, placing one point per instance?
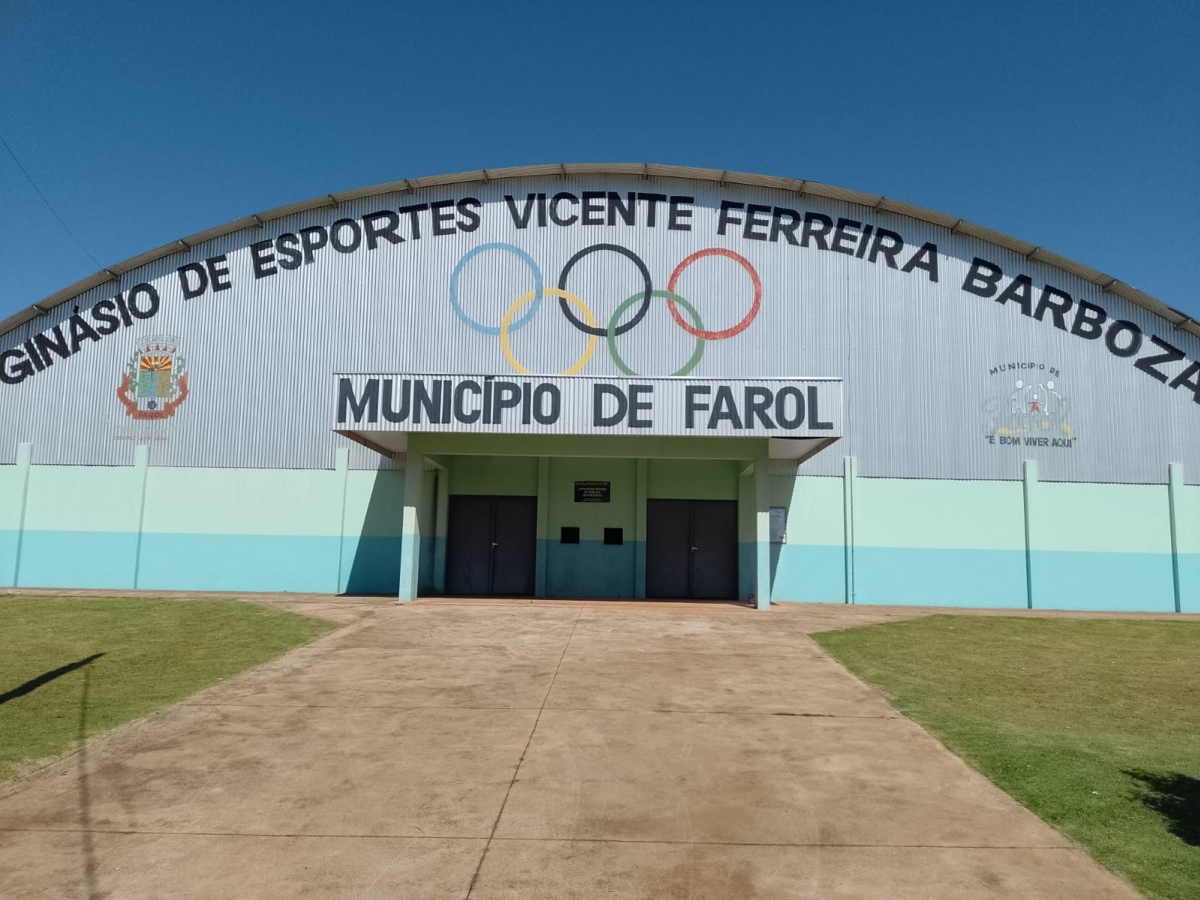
(592, 491)
(759, 407)
(778, 524)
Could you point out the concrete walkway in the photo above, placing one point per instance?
(534, 750)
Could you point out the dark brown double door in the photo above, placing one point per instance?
(691, 549)
(491, 545)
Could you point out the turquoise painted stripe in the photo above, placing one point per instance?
(205, 562)
(8, 557)
(76, 559)
(985, 578)
(371, 565)
(589, 569)
(229, 562)
(945, 577)
(1189, 582)
(803, 573)
(1141, 582)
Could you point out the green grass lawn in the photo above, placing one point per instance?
(70, 667)
(1092, 724)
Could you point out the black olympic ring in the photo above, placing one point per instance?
(601, 331)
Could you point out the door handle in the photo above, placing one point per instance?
(495, 545)
(694, 549)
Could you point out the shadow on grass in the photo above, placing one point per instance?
(1175, 797)
(46, 677)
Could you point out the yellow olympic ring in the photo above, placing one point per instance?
(506, 322)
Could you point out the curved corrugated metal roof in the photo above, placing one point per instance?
(959, 226)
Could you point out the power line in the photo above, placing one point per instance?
(47, 202)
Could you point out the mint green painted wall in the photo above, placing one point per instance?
(243, 501)
(81, 527)
(10, 498)
(959, 543)
(101, 499)
(1188, 519)
(963, 543)
(984, 515)
(591, 568)
(914, 542)
(11, 488)
(930, 542)
(1102, 518)
(374, 503)
(810, 566)
(747, 532)
(425, 514)
(510, 475)
(746, 519)
(426, 524)
(815, 509)
(693, 479)
(592, 518)
(206, 529)
(369, 559)
(1102, 546)
(1187, 535)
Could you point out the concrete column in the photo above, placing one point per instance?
(762, 533)
(1029, 479)
(441, 524)
(141, 471)
(746, 526)
(410, 533)
(24, 463)
(1174, 491)
(641, 493)
(543, 527)
(848, 473)
(341, 468)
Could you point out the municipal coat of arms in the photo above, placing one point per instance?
(155, 381)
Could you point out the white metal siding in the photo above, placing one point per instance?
(915, 356)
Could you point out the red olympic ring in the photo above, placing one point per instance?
(728, 332)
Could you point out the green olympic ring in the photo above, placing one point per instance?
(666, 295)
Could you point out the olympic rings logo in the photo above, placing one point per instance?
(522, 310)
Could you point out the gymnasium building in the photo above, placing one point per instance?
(620, 381)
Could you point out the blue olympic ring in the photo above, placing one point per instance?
(537, 288)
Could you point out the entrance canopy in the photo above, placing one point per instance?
(779, 418)
(576, 486)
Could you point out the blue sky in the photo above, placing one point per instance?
(1072, 125)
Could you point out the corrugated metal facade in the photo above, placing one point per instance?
(930, 370)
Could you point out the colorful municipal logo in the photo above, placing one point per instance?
(155, 381)
(522, 310)
(1029, 406)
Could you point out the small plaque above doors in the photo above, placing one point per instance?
(592, 491)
